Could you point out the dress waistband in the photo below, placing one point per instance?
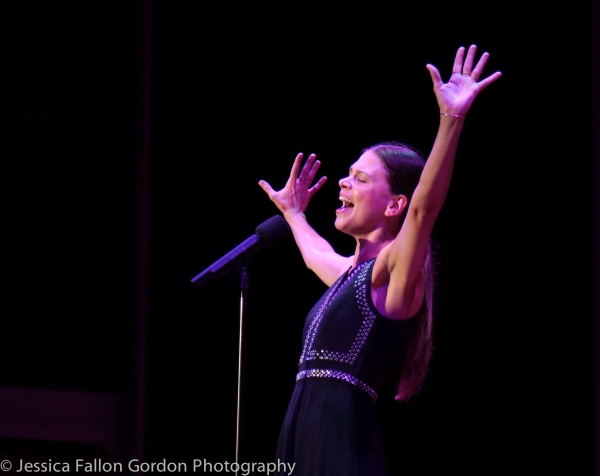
(338, 374)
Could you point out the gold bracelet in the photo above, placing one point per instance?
(451, 115)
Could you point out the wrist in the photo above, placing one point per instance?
(292, 214)
(452, 115)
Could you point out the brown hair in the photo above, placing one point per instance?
(404, 165)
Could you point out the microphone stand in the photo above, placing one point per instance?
(242, 268)
(268, 234)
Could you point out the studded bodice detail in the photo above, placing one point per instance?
(349, 357)
(346, 338)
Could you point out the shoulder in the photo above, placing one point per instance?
(334, 269)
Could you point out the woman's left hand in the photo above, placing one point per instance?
(296, 194)
(456, 96)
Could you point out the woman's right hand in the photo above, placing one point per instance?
(296, 194)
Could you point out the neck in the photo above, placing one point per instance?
(367, 249)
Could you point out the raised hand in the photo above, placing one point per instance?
(296, 194)
(456, 96)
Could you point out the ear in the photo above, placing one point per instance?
(397, 205)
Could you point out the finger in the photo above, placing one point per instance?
(307, 169)
(435, 76)
(310, 176)
(480, 65)
(266, 187)
(458, 61)
(296, 166)
(316, 187)
(468, 66)
(484, 83)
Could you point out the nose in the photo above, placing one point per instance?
(344, 182)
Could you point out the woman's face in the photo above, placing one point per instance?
(365, 195)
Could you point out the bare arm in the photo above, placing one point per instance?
(292, 200)
(406, 255)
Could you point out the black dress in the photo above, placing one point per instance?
(348, 350)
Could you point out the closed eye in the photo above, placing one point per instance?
(358, 175)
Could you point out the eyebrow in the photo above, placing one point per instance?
(358, 172)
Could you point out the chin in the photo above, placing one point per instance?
(340, 226)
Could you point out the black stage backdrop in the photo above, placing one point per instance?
(93, 303)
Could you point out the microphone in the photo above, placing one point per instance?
(268, 234)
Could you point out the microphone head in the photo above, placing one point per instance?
(273, 230)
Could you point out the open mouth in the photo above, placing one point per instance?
(346, 203)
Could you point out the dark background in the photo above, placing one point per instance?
(130, 164)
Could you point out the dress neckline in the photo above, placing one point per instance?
(352, 270)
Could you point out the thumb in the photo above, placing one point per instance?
(435, 75)
(266, 187)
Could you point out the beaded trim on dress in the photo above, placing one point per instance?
(338, 374)
(349, 357)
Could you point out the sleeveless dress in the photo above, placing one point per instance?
(348, 350)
